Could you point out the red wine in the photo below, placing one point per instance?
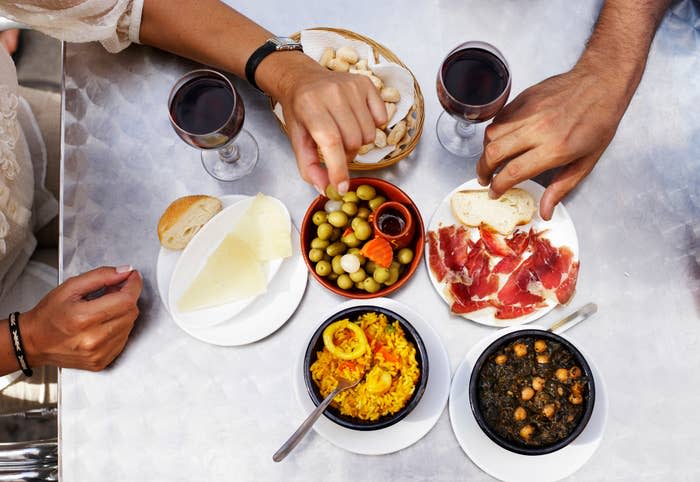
(473, 83)
(202, 105)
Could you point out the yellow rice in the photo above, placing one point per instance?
(359, 402)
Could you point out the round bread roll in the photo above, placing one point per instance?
(184, 217)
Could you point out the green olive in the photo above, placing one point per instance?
(405, 256)
(319, 218)
(351, 197)
(360, 285)
(315, 255)
(337, 232)
(332, 276)
(344, 282)
(376, 202)
(355, 221)
(370, 266)
(371, 286)
(363, 230)
(393, 276)
(336, 248)
(380, 274)
(338, 219)
(323, 268)
(326, 257)
(335, 264)
(320, 243)
(363, 213)
(350, 240)
(332, 193)
(324, 231)
(358, 275)
(356, 252)
(366, 192)
(349, 208)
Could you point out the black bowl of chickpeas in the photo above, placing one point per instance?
(338, 239)
(532, 392)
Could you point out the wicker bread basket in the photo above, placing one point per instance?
(417, 111)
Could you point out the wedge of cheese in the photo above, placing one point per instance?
(231, 273)
(266, 228)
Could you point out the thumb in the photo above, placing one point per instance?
(563, 182)
(97, 279)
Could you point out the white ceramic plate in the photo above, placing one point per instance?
(509, 466)
(264, 315)
(194, 257)
(560, 231)
(416, 424)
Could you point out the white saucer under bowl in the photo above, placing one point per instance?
(509, 466)
(416, 424)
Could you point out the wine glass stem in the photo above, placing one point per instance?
(229, 153)
(465, 129)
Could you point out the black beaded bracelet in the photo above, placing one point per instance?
(16, 339)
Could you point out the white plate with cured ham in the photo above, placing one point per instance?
(499, 280)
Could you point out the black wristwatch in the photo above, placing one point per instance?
(274, 44)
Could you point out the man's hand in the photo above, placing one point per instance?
(565, 121)
(334, 113)
(68, 330)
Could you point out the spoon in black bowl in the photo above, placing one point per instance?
(343, 384)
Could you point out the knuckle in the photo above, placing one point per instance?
(490, 132)
(330, 139)
(81, 319)
(89, 345)
(513, 170)
(492, 152)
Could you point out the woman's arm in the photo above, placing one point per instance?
(567, 121)
(335, 112)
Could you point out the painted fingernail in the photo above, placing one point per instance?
(492, 194)
(320, 191)
(124, 268)
(343, 188)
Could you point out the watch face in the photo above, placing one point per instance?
(285, 43)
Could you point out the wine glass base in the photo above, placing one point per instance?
(455, 140)
(218, 168)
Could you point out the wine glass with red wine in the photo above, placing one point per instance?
(207, 112)
(473, 84)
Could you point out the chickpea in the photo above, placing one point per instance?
(501, 360)
(538, 383)
(549, 410)
(574, 372)
(526, 432)
(577, 389)
(542, 359)
(520, 349)
(560, 391)
(519, 414)
(540, 346)
(576, 399)
(527, 393)
(562, 374)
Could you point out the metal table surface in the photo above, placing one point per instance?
(173, 408)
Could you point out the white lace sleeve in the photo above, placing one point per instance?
(114, 23)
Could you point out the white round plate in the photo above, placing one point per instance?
(196, 254)
(509, 466)
(264, 315)
(560, 231)
(416, 424)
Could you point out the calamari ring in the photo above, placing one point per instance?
(356, 352)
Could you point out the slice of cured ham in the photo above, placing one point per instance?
(495, 244)
(567, 288)
(437, 263)
(454, 246)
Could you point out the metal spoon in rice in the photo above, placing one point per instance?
(343, 384)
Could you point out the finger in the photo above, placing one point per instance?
(348, 125)
(116, 303)
(564, 181)
(376, 106)
(500, 150)
(327, 136)
(523, 167)
(96, 279)
(364, 119)
(306, 153)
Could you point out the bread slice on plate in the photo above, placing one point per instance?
(184, 217)
(474, 208)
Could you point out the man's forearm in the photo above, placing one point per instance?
(210, 32)
(620, 42)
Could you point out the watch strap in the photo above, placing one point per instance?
(254, 61)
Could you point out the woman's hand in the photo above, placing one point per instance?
(70, 331)
(331, 112)
(565, 121)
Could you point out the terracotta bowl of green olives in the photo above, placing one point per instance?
(335, 233)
